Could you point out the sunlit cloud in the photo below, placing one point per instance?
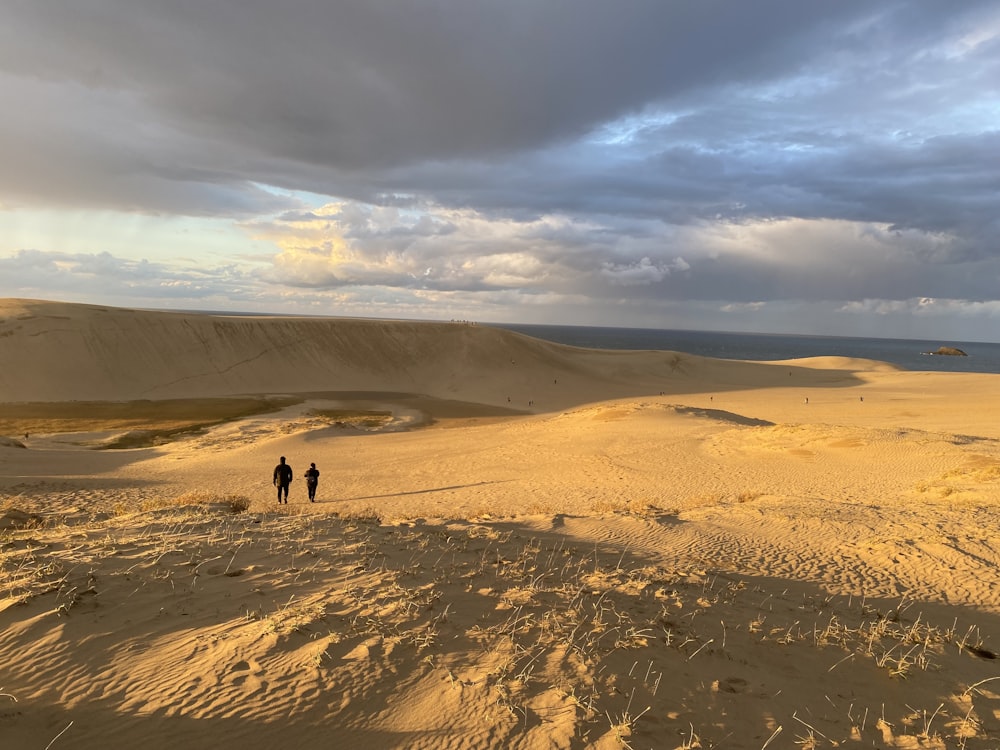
(350, 243)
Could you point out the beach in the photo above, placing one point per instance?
(514, 543)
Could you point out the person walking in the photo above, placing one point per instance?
(312, 479)
(282, 478)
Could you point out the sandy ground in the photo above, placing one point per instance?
(514, 544)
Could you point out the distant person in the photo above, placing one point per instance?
(312, 479)
(282, 478)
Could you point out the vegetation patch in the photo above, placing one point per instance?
(145, 422)
(366, 418)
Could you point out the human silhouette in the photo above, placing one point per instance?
(282, 478)
(312, 479)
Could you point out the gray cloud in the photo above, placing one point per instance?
(362, 82)
(81, 275)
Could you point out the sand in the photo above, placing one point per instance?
(515, 544)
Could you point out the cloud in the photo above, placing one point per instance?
(640, 273)
(80, 276)
(366, 82)
(364, 98)
(454, 154)
(345, 244)
(926, 307)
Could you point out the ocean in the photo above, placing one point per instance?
(906, 353)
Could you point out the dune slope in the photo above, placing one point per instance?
(67, 352)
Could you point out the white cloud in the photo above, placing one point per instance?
(926, 307)
(640, 273)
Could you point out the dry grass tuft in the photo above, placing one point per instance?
(515, 621)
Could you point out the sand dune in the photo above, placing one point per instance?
(81, 352)
(638, 549)
(71, 352)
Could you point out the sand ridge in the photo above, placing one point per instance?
(658, 551)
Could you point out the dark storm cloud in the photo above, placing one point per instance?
(305, 94)
(360, 82)
(257, 90)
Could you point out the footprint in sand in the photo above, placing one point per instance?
(731, 685)
(246, 674)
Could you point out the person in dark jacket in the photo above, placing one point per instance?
(312, 479)
(282, 478)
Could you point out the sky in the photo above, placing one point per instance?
(770, 166)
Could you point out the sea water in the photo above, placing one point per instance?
(910, 354)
